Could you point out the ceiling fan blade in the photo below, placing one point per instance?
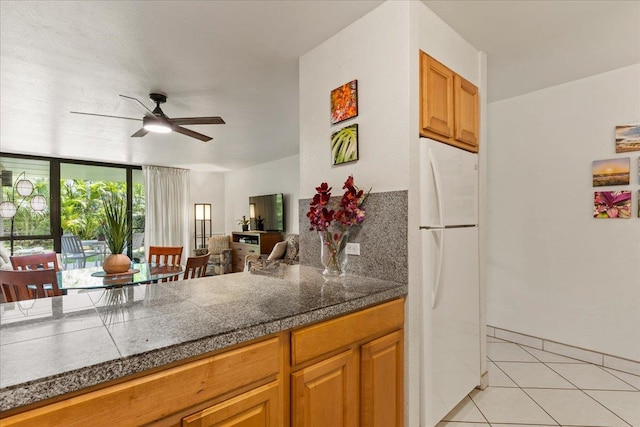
(139, 102)
(198, 121)
(104, 115)
(140, 132)
(191, 133)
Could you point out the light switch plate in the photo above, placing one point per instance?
(353, 248)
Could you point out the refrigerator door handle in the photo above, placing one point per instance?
(438, 186)
(439, 233)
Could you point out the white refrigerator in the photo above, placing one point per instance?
(450, 349)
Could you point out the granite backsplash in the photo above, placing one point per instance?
(382, 237)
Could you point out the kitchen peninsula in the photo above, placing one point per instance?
(188, 352)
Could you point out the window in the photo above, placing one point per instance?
(72, 192)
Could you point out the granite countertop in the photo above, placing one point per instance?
(53, 346)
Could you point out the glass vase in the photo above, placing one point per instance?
(333, 254)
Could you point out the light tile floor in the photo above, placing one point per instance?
(530, 387)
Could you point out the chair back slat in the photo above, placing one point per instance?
(18, 285)
(35, 262)
(196, 266)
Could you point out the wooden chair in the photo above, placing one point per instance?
(196, 266)
(18, 285)
(35, 262)
(165, 255)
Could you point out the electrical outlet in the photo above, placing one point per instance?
(353, 248)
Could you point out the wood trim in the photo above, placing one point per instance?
(353, 329)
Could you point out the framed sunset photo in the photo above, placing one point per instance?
(611, 172)
(344, 102)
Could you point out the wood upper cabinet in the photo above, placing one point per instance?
(466, 111)
(437, 97)
(449, 106)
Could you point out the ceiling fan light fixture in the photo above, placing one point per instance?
(157, 126)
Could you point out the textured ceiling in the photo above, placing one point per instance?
(239, 60)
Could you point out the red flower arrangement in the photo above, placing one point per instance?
(321, 217)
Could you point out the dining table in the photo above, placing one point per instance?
(96, 278)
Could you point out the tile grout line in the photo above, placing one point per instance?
(585, 393)
(527, 394)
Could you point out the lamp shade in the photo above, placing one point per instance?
(252, 210)
(203, 211)
(38, 203)
(24, 187)
(7, 210)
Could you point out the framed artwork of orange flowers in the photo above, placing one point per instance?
(344, 102)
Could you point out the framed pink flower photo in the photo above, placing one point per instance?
(344, 102)
(612, 204)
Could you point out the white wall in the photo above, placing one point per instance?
(279, 176)
(553, 270)
(373, 50)
(381, 51)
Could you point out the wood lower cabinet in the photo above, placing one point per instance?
(449, 106)
(347, 371)
(326, 393)
(256, 408)
(165, 397)
(382, 384)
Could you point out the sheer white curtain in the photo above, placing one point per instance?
(167, 208)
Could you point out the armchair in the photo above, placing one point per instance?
(285, 251)
(219, 255)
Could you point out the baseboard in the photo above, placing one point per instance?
(601, 359)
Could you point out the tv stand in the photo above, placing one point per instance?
(245, 243)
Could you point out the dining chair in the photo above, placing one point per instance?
(196, 266)
(72, 250)
(165, 255)
(35, 262)
(18, 285)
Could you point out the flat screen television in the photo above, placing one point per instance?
(267, 212)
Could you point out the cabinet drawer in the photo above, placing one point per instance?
(259, 407)
(326, 337)
(245, 249)
(177, 388)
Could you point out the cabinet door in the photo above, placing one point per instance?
(466, 111)
(436, 88)
(382, 381)
(256, 408)
(326, 393)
